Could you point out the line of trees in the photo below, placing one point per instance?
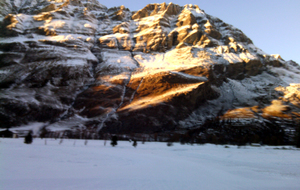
(214, 131)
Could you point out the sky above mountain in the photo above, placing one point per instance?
(273, 25)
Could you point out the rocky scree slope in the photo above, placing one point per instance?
(73, 65)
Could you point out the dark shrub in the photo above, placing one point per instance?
(28, 138)
(134, 143)
(114, 141)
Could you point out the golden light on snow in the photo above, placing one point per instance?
(241, 113)
(59, 38)
(14, 21)
(277, 109)
(50, 26)
(276, 56)
(56, 24)
(291, 93)
(116, 79)
(87, 26)
(157, 99)
(85, 11)
(57, 1)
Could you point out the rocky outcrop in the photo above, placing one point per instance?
(76, 65)
(186, 18)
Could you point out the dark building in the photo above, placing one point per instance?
(6, 133)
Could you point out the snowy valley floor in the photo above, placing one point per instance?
(148, 166)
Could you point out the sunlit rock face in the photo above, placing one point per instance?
(79, 65)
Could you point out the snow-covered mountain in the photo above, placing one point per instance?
(77, 65)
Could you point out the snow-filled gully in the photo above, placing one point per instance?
(124, 91)
(133, 94)
(113, 111)
(139, 66)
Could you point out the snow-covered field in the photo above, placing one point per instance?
(152, 165)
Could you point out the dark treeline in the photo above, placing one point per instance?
(226, 132)
(215, 131)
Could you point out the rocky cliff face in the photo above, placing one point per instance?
(70, 65)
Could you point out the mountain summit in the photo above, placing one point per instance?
(79, 66)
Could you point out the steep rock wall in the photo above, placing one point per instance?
(79, 65)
